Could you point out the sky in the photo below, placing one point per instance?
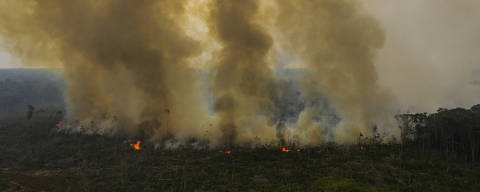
(6, 60)
(431, 57)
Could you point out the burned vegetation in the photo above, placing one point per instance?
(37, 157)
(437, 152)
(215, 95)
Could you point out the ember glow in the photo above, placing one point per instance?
(227, 151)
(136, 146)
(284, 149)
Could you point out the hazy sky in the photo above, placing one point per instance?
(6, 60)
(431, 57)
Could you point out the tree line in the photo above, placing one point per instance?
(454, 132)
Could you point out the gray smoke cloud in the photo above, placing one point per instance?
(125, 61)
(134, 67)
(243, 82)
(337, 41)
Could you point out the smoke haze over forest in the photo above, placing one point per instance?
(220, 65)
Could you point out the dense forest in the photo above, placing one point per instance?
(455, 132)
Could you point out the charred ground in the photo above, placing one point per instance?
(35, 157)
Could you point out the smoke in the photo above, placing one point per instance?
(337, 41)
(123, 60)
(243, 82)
(136, 67)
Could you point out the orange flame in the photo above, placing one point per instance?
(228, 151)
(136, 146)
(285, 149)
(298, 150)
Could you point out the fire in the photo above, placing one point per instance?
(362, 148)
(136, 146)
(228, 151)
(299, 150)
(285, 149)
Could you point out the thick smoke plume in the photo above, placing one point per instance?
(133, 67)
(337, 42)
(125, 61)
(243, 81)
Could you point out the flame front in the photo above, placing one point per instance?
(284, 149)
(136, 146)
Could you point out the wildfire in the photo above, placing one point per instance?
(299, 150)
(228, 151)
(136, 146)
(285, 149)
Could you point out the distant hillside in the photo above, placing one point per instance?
(41, 88)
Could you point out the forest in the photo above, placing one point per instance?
(454, 132)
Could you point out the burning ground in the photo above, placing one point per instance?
(35, 157)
